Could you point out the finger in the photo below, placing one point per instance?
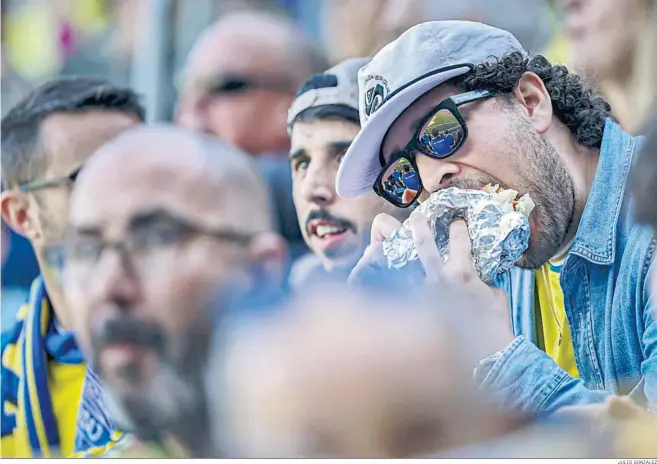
(383, 226)
(460, 251)
(426, 247)
(372, 261)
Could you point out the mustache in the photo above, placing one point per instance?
(474, 182)
(128, 330)
(323, 215)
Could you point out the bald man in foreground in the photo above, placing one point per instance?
(162, 219)
(377, 373)
(344, 374)
(238, 84)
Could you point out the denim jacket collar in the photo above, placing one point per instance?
(596, 235)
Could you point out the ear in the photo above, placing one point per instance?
(268, 255)
(535, 99)
(15, 207)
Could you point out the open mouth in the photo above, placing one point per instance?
(326, 229)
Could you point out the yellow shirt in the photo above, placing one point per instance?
(65, 382)
(552, 324)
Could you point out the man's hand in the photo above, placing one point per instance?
(457, 276)
(373, 260)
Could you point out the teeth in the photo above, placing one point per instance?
(325, 229)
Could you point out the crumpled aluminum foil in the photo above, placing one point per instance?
(498, 234)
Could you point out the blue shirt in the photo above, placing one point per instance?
(605, 282)
(443, 145)
(411, 180)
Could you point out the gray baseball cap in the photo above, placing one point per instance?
(421, 59)
(336, 86)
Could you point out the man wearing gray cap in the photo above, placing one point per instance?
(322, 122)
(464, 105)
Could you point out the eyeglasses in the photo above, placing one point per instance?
(44, 184)
(440, 134)
(227, 85)
(148, 240)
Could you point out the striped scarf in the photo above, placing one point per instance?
(28, 350)
(96, 431)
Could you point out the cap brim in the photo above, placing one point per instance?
(360, 166)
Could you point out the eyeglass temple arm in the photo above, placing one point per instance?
(468, 97)
(38, 185)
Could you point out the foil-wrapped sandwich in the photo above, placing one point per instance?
(497, 223)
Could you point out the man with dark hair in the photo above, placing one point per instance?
(46, 139)
(322, 121)
(581, 326)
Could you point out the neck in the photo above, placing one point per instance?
(582, 163)
(55, 294)
(582, 181)
(617, 92)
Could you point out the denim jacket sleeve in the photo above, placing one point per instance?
(649, 364)
(528, 379)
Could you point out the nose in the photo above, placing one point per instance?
(114, 279)
(435, 173)
(319, 185)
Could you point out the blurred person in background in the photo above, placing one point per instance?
(147, 247)
(46, 139)
(322, 122)
(238, 83)
(395, 382)
(616, 44)
(362, 27)
(536, 128)
(644, 180)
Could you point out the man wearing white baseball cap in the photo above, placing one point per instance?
(322, 122)
(464, 105)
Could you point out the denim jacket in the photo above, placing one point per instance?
(605, 283)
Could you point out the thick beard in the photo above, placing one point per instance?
(548, 182)
(173, 400)
(553, 191)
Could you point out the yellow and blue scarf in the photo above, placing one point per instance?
(27, 410)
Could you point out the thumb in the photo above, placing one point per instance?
(383, 226)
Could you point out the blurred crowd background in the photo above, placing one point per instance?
(143, 43)
(155, 46)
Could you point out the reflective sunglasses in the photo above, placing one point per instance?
(440, 134)
(227, 85)
(50, 183)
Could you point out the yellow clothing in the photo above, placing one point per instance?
(66, 383)
(43, 377)
(553, 328)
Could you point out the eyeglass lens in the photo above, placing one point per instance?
(400, 183)
(441, 134)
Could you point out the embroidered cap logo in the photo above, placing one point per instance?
(374, 99)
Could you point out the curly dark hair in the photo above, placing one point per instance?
(574, 100)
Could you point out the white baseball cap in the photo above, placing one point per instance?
(421, 59)
(336, 86)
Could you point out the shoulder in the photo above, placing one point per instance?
(11, 371)
(635, 260)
